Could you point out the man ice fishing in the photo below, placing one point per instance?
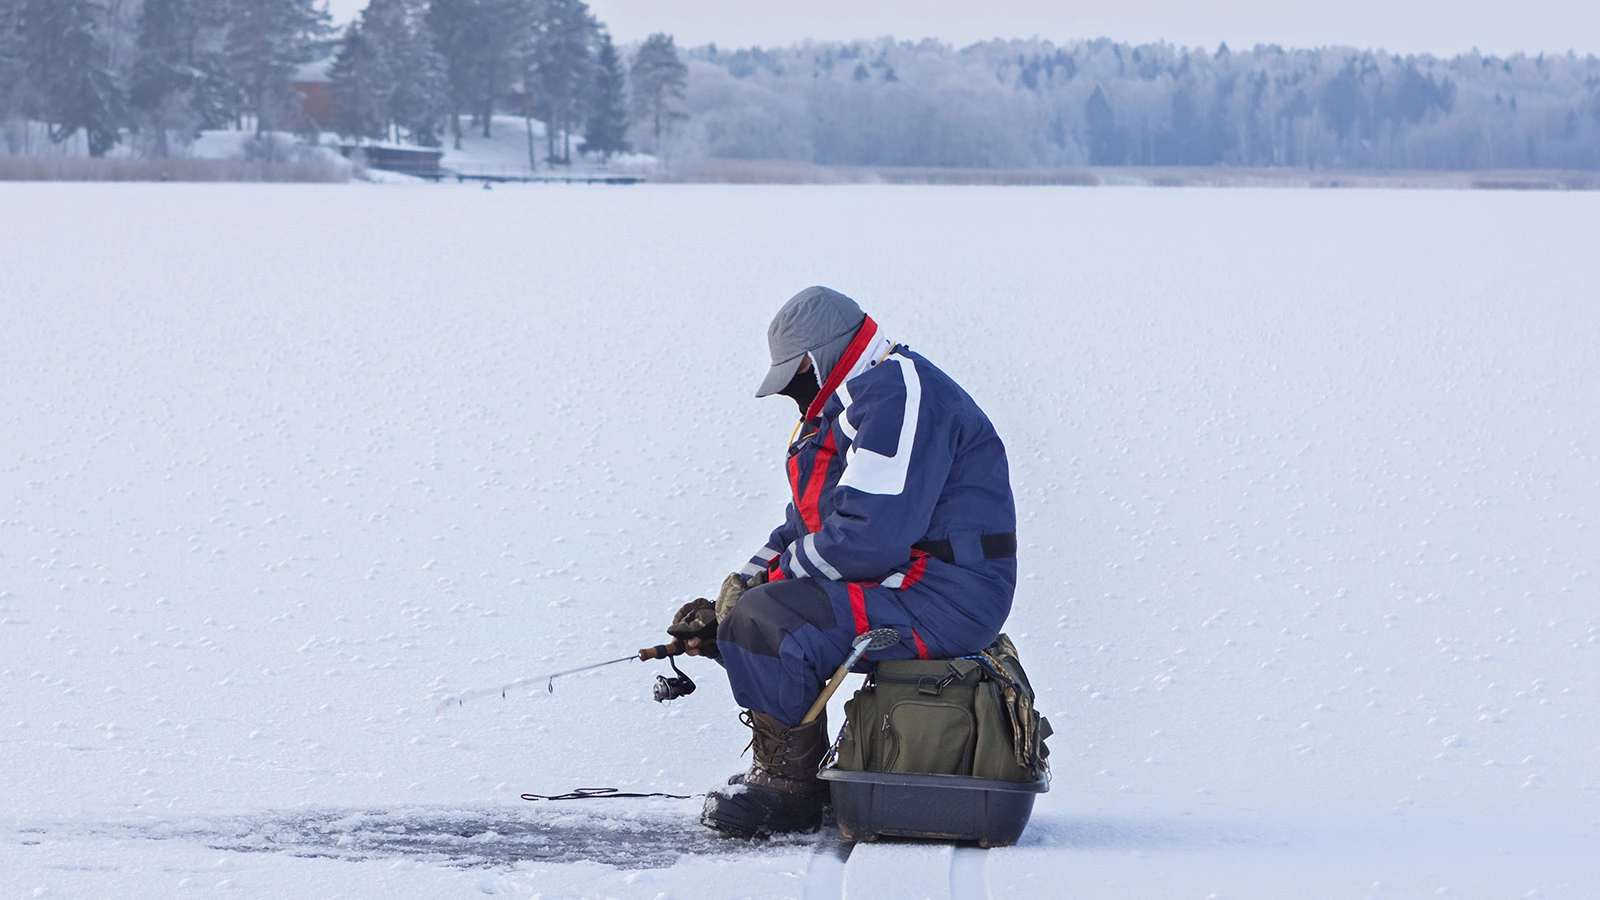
(901, 515)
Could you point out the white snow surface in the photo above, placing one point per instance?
(1307, 485)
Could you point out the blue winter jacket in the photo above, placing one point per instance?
(898, 479)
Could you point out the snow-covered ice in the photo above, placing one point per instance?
(1306, 482)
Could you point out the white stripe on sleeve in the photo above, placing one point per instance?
(844, 414)
(796, 563)
(808, 545)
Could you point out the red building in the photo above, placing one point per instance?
(317, 104)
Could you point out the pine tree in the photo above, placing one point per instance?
(561, 53)
(12, 66)
(65, 59)
(267, 39)
(165, 77)
(451, 24)
(387, 77)
(181, 81)
(1105, 141)
(362, 85)
(658, 85)
(502, 31)
(479, 42)
(422, 92)
(216, 98)
(607, 126)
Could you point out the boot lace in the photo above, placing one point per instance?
(770, 747)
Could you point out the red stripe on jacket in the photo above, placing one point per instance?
(810, 512)
(922, 649)
(858, 607)
(794, 478)
(919, 565)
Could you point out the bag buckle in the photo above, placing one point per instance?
(938, 687)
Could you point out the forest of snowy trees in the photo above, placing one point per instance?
(152, 74)
(148, 75)
(1023, 104)
(151, 69)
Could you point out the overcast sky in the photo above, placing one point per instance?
(1443, 27)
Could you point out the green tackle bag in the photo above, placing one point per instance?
(971, 716)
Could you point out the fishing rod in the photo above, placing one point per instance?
(665, 688)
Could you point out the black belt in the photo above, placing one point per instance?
(995, 546)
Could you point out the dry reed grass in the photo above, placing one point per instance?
(755, 171)
(738, 171)
(45, 168)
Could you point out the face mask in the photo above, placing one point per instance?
(802, 389)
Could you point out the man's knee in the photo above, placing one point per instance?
(767, 613)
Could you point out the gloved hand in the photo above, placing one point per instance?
(696, 625)
(733, 587)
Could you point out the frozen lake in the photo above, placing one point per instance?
(1307, 485)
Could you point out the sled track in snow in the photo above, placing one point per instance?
(968, 875)
(891, 868)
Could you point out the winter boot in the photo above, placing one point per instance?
(781, 791)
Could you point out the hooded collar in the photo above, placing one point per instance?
(869, 345)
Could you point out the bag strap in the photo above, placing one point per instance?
(1028, 728)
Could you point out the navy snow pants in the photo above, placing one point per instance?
(784, 639)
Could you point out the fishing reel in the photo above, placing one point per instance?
(680, 685)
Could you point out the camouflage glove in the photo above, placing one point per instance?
(733, 587)
(697, 619)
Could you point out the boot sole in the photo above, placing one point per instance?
(729, 828)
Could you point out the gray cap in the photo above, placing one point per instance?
(819, 321)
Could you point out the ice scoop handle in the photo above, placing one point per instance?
(876, 639)
(827, 691)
